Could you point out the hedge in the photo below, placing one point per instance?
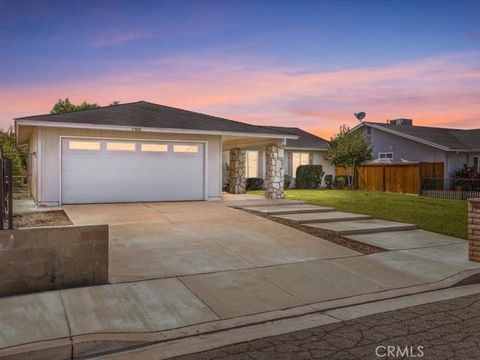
(254, 183)
(309, 176)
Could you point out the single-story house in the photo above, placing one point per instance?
(306, 149)
(401, 141)
(143, 152)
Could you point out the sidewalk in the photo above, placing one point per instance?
(158, 305)
(84, 321)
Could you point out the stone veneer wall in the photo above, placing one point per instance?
(474, 230)
(236, 172)
(39, 259)
(274, 172)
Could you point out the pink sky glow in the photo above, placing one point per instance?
(442, 91)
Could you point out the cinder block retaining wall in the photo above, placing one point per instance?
(39, 259)
(474, 230)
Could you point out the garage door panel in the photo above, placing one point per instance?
(101, 175)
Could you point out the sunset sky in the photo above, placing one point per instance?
(306, 64)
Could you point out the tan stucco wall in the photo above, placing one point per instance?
(319, 159)
(49, 157)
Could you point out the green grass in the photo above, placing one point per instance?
(442, 216)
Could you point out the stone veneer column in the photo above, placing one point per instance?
(236, 172)
(274, 172)
(474, 230)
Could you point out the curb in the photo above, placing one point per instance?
(106, 344)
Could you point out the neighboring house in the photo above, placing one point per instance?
(401, 141)
(307, 149)
(138, 152)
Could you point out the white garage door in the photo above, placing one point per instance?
(107, 171)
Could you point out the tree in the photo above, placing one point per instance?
(350, 149)
(10, 150)
(65, 106)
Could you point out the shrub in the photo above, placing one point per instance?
(328, 179)
(466, 172)
(309, 176)
(254, 183)
(340, 182)
(287, 181)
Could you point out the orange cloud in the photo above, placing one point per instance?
(442, 91)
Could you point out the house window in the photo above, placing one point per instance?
(155, 147)
(251, 164)
(120, 146)
(385, 155)
(476, 162)
(299, 159)
(185, 148)
(83, 145)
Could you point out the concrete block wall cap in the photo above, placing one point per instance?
(474, 200)
(56, 227)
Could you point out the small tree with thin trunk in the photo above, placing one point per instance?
(350, 149)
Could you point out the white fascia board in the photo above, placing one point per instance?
(148, 129)
(305, 149)
(356, 127)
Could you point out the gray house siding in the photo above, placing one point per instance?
(402, 148)
(406, 149)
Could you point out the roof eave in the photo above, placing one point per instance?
(410, 137)
(305, 148)
(27, 122)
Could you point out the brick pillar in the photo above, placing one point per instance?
(274, 172)
(474, 230)
(236, 172)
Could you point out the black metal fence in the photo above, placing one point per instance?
(6, 192)
(460, 189)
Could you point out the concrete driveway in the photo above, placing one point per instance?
(159, 240)
(208, 267)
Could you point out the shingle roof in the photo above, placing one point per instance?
(305, 139)
(145, 114)
(451, 139)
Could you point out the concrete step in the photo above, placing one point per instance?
(322, 217)
(261, 202)
(408, 239)
(290, 209)
(368, 226)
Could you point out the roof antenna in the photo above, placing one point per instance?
(360, 116)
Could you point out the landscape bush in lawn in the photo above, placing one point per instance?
(287, 181)
(328, 179)
(340, 182)
(254, 183)
(309, 177)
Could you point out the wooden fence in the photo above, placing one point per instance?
(393, 177)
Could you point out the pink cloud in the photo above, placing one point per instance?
(442, 91)
(110, 38)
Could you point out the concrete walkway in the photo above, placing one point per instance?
(210, 264)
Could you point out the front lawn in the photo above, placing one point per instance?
(443, 216)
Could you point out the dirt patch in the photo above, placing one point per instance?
(47, 218)
(324, 234)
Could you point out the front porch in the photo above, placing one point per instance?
(273, 168)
